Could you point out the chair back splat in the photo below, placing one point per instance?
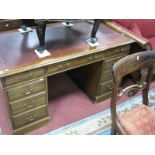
(123, 67)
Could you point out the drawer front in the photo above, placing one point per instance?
(29, 117)
(26, 90)
(118, 51)
(28, 75)
(74, 63)
(106, 76)
(109, 63)
(106, 87)
(28, 103)
(101, 98)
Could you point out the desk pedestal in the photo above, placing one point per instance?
(96, 79)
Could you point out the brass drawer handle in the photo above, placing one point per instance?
(124, 48)
(30, 119)
(7, 25)
(67, 64)
(117, 50)
(33, 102)
(28, 92)
(26, 76)
(30, 105)
(61, 66)
(96, 56)
(91, 58)
(109, 87)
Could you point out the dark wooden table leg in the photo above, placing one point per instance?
(41, 28)
(24, 26)
(94, 30)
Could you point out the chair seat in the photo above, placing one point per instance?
(138, 121)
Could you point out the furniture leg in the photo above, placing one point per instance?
(94, 30)
(24, 26)
(113, 130)
(41, 28)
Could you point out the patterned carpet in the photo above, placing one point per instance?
(99, 124)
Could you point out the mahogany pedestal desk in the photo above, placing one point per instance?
(23, 74)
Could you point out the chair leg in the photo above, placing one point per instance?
(113, 131)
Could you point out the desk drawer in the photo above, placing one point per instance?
(106, 87)
(74, 63)
(118, 51)
(29, 117)
(28, 103)
(28, 75)
(26, 90)
(109, 63)
(106, 76)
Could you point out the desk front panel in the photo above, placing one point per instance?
(74, 63)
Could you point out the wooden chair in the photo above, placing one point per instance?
(140, 120)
